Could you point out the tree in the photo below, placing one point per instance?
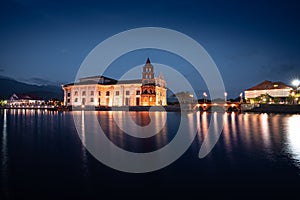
(2, 103)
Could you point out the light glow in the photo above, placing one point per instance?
(296, 82)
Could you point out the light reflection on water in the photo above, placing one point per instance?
(265, 134)
(4, 157)
(39, 141)
(293, 138)
(120, 136)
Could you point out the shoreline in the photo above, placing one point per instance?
(275, 109)
(261, 108)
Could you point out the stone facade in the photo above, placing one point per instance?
(104, 91)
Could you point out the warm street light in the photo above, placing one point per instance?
(241, 97)
(205, 95)
(225, 95)
(296, 83)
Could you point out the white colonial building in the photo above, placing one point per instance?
(268, 90)
(104, 91)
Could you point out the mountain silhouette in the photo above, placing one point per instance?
(9, 86)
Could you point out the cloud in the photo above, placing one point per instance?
(41, 81)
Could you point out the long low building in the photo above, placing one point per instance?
(24, 100)
(104, 91)
(268, 92)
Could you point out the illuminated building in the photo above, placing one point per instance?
(24, 100)
(268, 92)
(104, 91)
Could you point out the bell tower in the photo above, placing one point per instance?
(148, 73)
(148, 96)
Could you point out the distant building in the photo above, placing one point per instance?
(268, 92)
(104, 91)
(25, 100)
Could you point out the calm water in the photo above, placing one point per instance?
(42, 156)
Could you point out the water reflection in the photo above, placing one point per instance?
(265, 126)
(293, 138)
(113, 124)
(268, 136)
(4, 156)
(83, 149)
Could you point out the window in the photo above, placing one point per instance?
(92, 99)
(76, 100)
(83, 101)
(92, 93)
(127, 92)
(83, 93)
(76, 93)
(138, 92)
(68, 100)
(117, 93)
(107, 93)
(99, 93)
(69, 94)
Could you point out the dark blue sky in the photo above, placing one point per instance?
(250, 41)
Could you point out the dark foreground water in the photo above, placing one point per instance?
(42, 157)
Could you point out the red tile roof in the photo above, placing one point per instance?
(269, 85)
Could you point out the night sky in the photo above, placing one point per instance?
(45, 42)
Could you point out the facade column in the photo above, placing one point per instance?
(65, 96)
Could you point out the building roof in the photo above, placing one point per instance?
(96, 78)
(136, 81)
(269, 85)
(148, 60)
(91, 82)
